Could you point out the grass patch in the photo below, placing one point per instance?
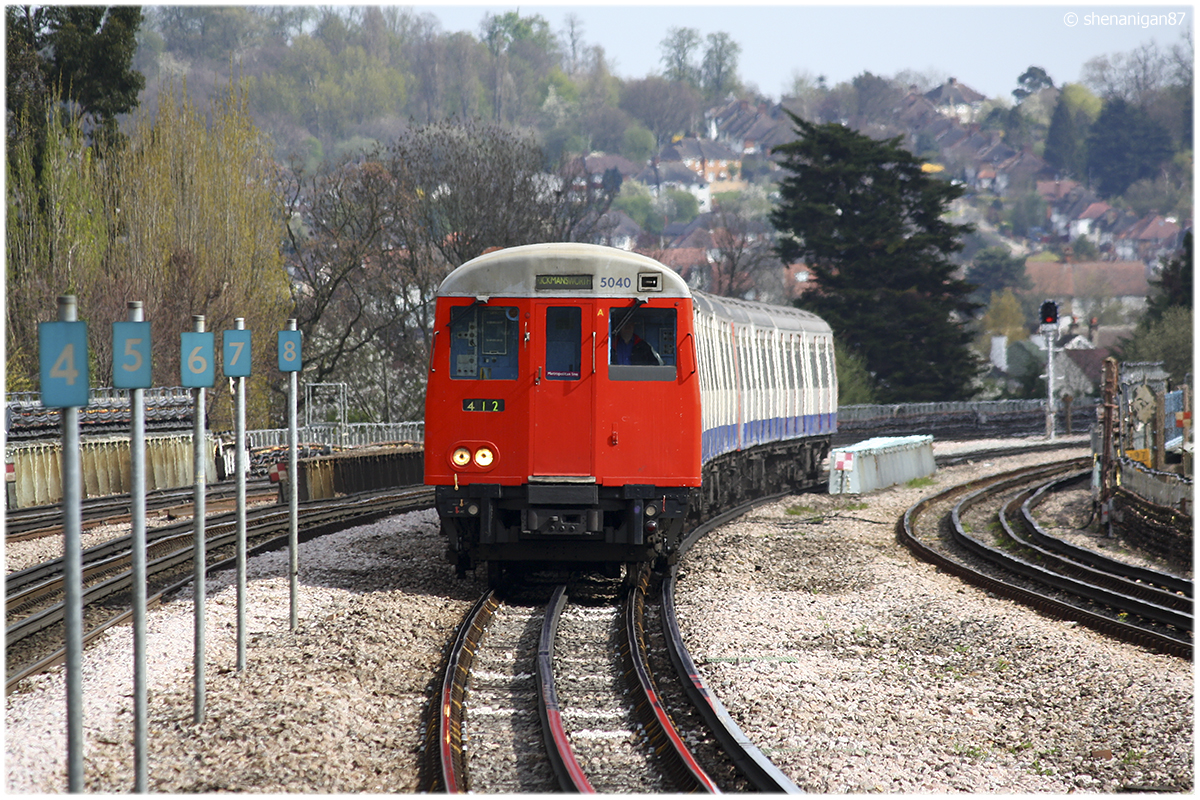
(920, 483)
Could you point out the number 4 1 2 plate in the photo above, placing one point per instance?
(483, 405)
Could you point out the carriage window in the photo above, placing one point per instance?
(641, 344)
(483, 342)
(563, 330)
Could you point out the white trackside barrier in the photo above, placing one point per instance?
(879, 463)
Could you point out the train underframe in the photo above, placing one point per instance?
(582, 526)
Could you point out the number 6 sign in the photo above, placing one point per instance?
(196, 360)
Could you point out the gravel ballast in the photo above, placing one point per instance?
(855, 667)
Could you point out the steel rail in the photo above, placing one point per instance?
(750, 761)
(570, 774)
(379, 504)
(1115, 578)
(1079, 588)
(452, 773)
(677, 758)
(1152, 577)
(906, 534)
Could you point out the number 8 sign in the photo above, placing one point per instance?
(289, 351)
(196, 360)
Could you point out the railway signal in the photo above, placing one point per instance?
(1049, 314)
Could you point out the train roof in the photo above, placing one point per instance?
(563, 270)
(761, 315)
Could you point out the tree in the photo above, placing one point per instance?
(994, 270)
(665, 108)
(1032, 81)
(745, 263)
(678, 60)
(1125, 145)
(871, 227)
(1005, 317)
(196, 224)
(1064, 145)
(84, 52)
(1173, 286)
(1167, 339)
(718, 70)
(855, 386)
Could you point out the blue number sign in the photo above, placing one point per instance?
(63, 363)
(131, 355)
(236, 349)
(289, 351)
(196, 360)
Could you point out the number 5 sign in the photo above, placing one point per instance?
(131, 355)
(196, 360)
(289, 351)
(63, 364)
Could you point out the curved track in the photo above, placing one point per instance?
(1117, 600)
(582, 727)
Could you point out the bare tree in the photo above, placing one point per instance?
(745, 263)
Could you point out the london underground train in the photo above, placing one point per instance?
(582, 403)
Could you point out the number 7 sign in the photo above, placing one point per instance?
(236, 346)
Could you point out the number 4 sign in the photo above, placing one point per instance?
(63, 364)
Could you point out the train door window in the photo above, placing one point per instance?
(641, 344)
(483, 342)
(563, 331)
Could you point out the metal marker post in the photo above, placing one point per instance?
(63, 366)
(1050, 332)
(293, 491)
(131, 370)
(192, 367)
(238, 364)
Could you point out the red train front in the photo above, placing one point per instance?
(562, 420)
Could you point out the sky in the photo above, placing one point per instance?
(985, 47)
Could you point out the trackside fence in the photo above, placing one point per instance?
(960, 420)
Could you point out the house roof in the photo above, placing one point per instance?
(1095, 210)
(1055, 190)
(1152, 228)
(953, 93)
(1088, 279)
(599, 163)
(670, 172)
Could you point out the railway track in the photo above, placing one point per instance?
(985, 532)
(21, 524)
(585, 687)
(34, 597)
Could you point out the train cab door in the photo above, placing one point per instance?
(562, 404)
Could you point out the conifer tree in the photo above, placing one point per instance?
(871, 227)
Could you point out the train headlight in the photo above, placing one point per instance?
(461, 457)
(484, 457)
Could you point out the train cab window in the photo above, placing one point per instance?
(641, 344)
(483, 342)
(564, 325)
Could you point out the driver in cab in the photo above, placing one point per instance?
(629, 348)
